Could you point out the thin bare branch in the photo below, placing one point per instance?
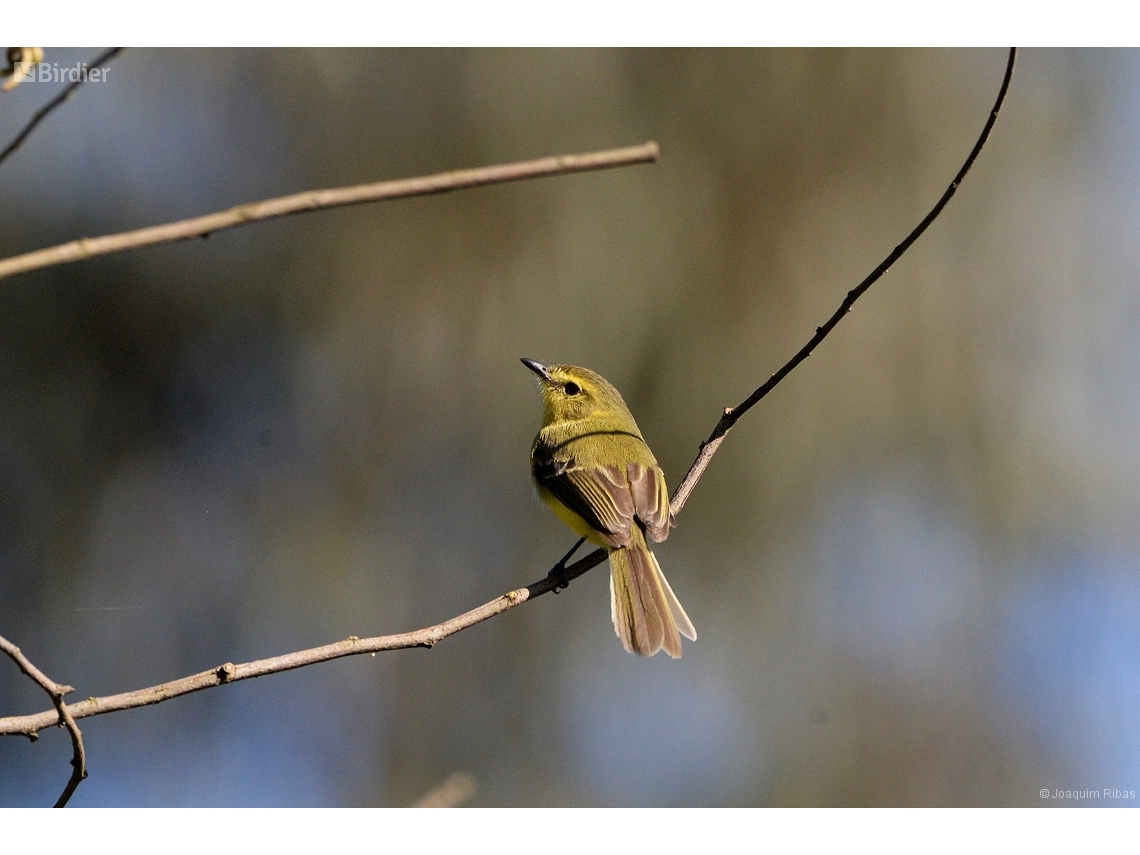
(56, 691)
(55, 102)
(230, 673)
(78, 753)
(41, 679)
(314, 200)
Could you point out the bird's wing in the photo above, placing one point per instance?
(600, 495)
(650, 498)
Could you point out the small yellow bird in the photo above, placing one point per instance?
(593, 468)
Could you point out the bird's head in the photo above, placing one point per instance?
(571, 393)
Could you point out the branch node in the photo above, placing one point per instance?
(226, 672)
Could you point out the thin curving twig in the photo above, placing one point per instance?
(313, 200)
(732, 414)
(58, 100)
(56, 691)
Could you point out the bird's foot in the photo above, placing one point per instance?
(558, 571)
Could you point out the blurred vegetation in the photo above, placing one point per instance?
(913, 567)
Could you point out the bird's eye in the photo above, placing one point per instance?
(572, 388)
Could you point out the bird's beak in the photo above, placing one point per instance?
(537, 367)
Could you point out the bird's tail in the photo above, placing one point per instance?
(646, 614)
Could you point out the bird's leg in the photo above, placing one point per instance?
(558, 571)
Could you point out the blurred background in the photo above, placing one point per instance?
(915, 567)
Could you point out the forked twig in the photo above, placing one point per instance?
(55, 691)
